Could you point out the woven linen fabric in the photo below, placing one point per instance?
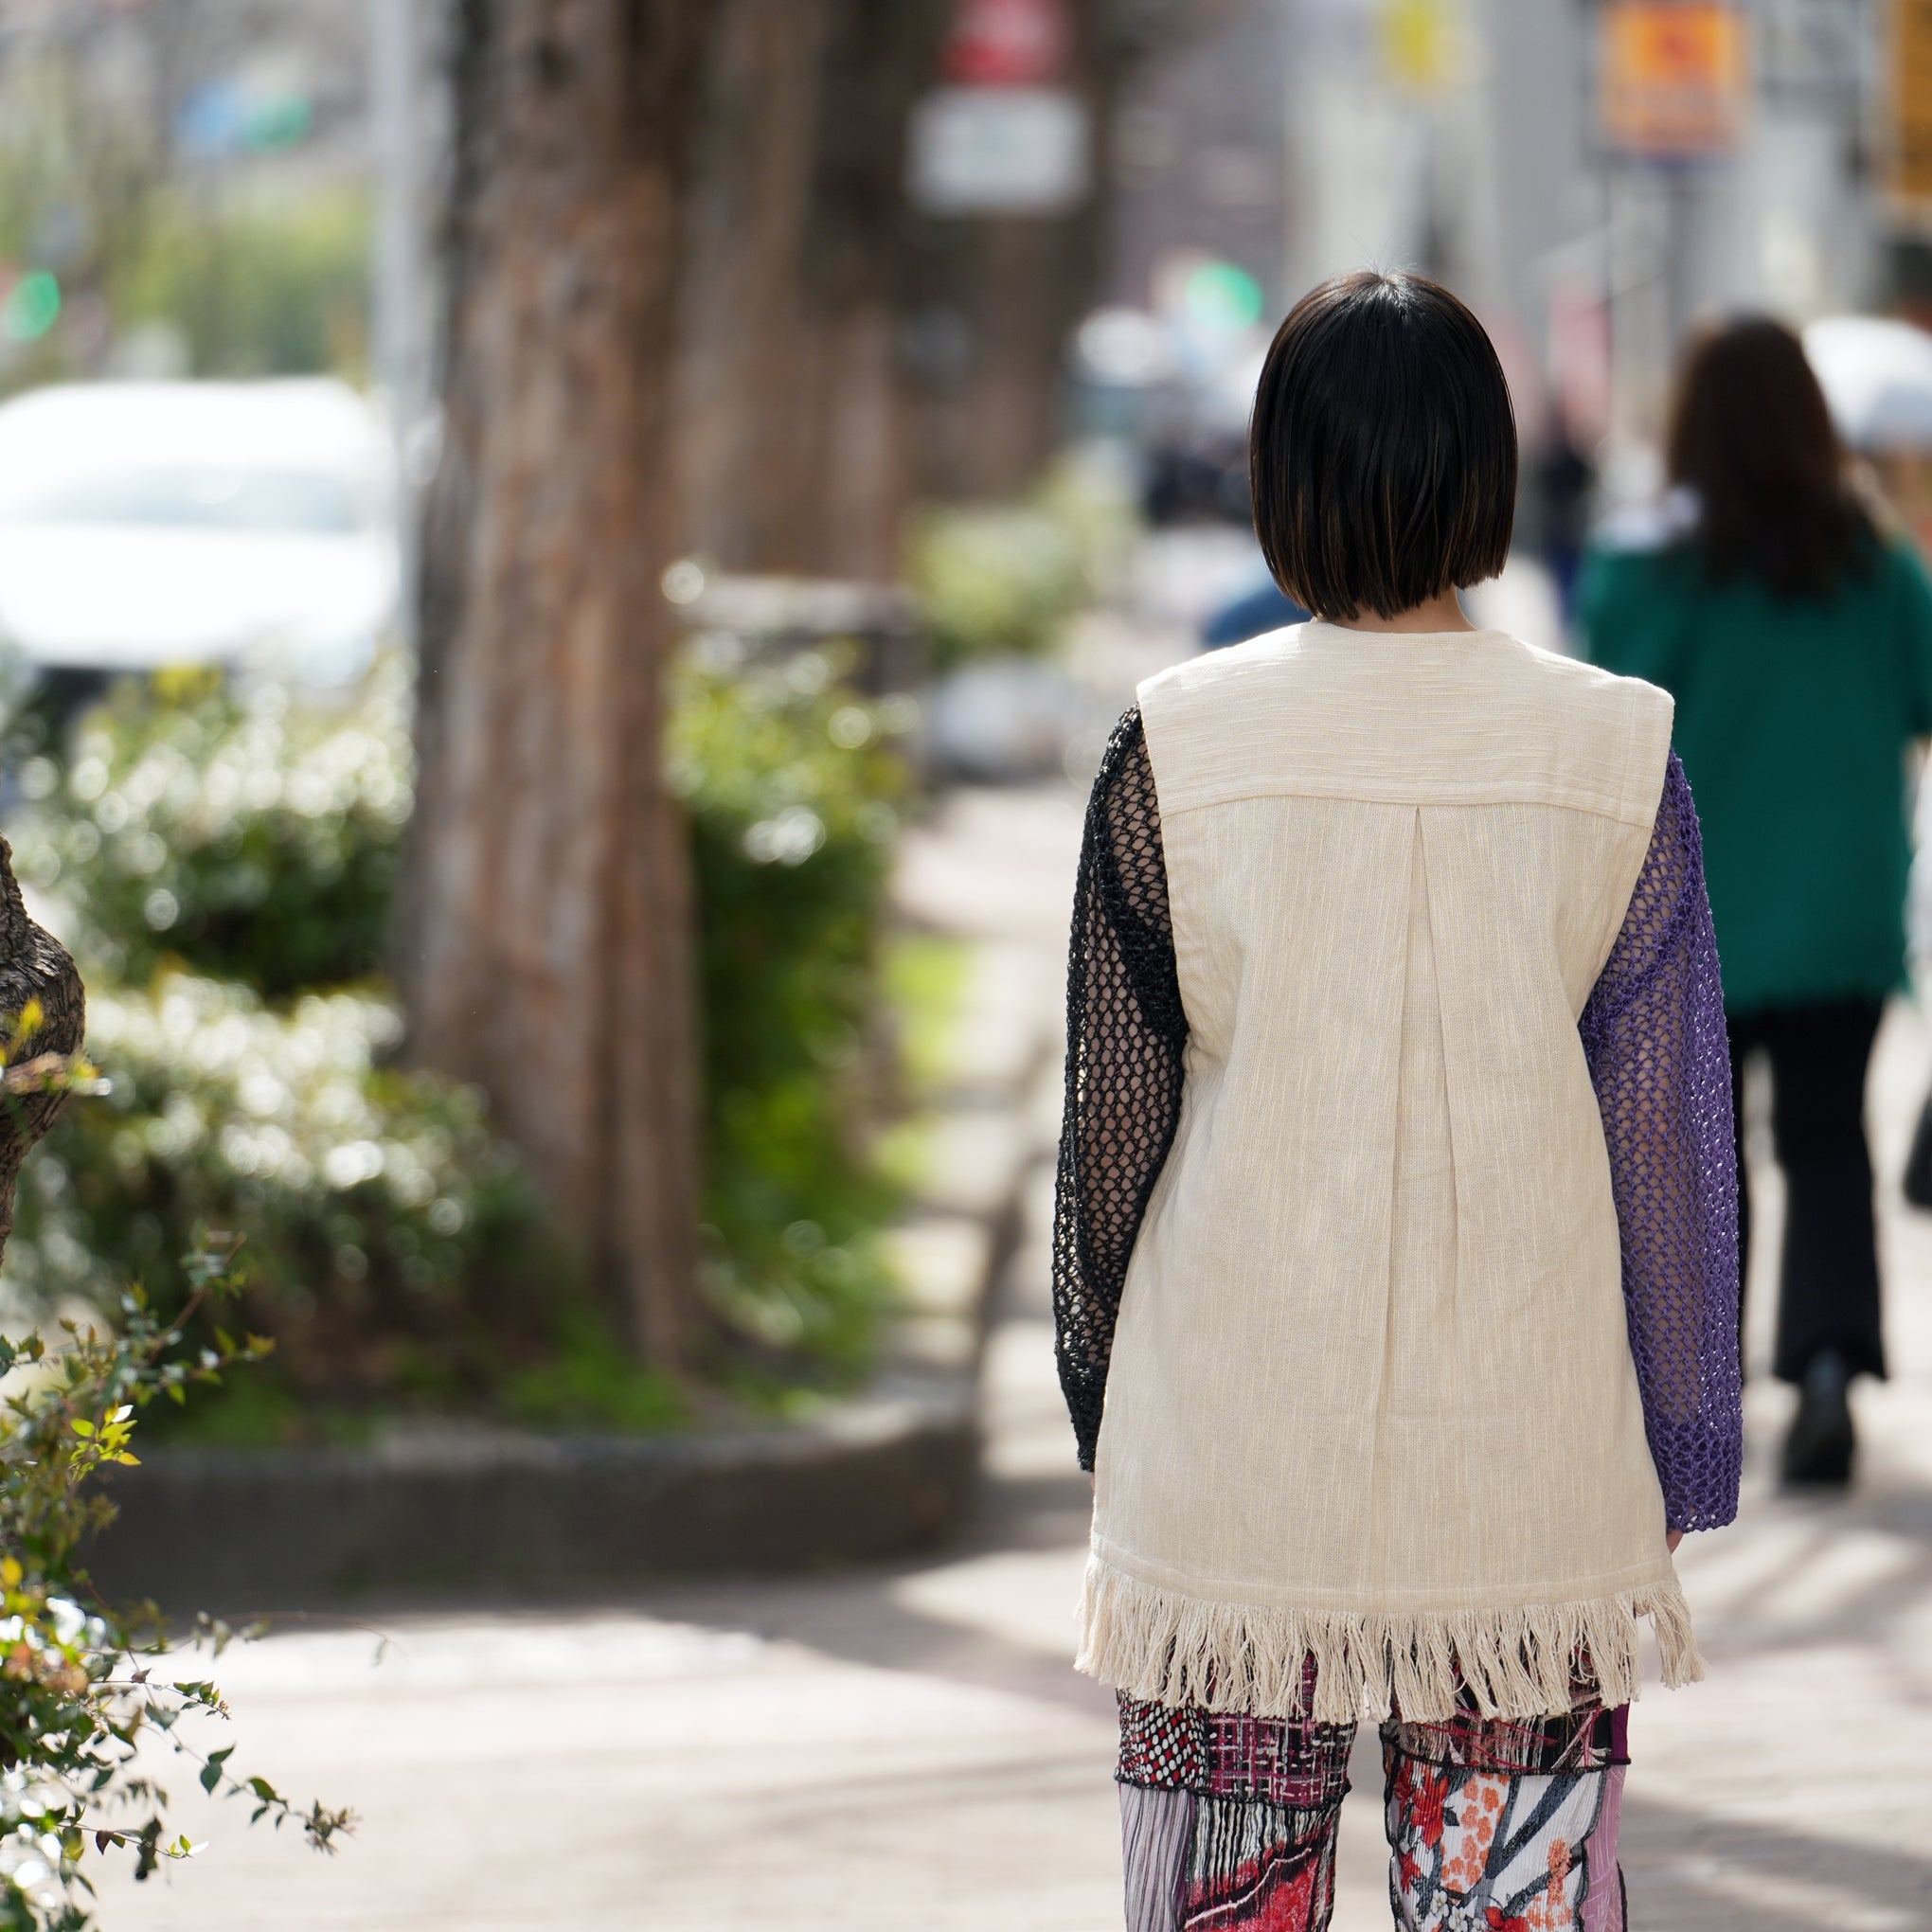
(1653, 1033)
(1377, 1285)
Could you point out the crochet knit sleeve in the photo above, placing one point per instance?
(1125, 1035)
(1653, 1035)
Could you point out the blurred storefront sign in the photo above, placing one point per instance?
(986, 150)
(999, 151)
(1009, 43)
(1910, 70)
(1002, 139)
(1673, 77)
(1420, 45)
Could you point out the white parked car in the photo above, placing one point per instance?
(147, 525)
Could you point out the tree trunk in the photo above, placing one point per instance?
(881, 56)
(792, 398)
(1014, 287)
(748, 326)
(34, 970)
(545, 953)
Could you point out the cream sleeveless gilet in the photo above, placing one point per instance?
(1372, 1397)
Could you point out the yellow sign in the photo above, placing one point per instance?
(1673, 76)
(1911, 103)
(1421, 43)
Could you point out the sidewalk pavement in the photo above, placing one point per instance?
(906, 1749)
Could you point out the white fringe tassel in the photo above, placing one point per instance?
(1167, 1648)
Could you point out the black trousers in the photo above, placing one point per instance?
(1828, 1283)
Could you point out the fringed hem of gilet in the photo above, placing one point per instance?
(1166, 1647)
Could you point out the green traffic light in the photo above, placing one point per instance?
(1223, 295)
(31, 307)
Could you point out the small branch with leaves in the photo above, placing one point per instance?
(77, 1701)
(78, 1690)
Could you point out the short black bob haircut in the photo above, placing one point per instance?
(1382, 448)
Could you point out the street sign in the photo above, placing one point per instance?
(998, 151)
(1421, 47)
(1009, 42)
(1910, 67)
(1673, 76)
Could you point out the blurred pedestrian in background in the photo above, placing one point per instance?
(1386, 1416)
(1256, 608)
(1564, 480)
(1795, 635)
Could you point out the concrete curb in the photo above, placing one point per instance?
(236, 1532)
(449, 1509)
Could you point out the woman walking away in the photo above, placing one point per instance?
(1797, 641)
(1395, 1259)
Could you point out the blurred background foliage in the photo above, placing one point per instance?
(384, 1227)
(1004, 579)
(222, 857)
(249, 836)
(204, 189)
(996, 580)
(795, 793)
(252, 291)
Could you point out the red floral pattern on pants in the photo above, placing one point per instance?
(1493, 1826)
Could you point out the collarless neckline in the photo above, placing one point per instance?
(1483, 634)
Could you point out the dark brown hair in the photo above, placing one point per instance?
(1383, 449)
(1750, 433)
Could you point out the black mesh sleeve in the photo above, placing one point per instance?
(1125, 1036)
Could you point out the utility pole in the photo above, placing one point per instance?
(396, 325)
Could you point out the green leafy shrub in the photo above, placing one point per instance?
(997, 580)
(81, 1686)
(252, 291)
(217, 826)
(387, 1228)
(794, 795)
(218, 856)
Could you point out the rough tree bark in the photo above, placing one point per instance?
(794, 395)
(881, 56)
(34, 967)
(545, 947)
(1021, 283)
(745, 347)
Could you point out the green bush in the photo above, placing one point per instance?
(389, 1231)
(995, 581)
(252, 291)
(1004, 579)
(795, 796)
(219, 828)
(218, 856)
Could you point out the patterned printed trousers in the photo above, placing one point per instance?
(1228, 1822)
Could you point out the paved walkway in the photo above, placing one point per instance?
(905, 1749)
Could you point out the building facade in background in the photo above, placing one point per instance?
(1593, 174)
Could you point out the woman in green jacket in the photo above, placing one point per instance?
(1796, 639)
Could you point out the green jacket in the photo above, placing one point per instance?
(1793, 720)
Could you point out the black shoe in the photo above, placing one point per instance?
(1817, 1453)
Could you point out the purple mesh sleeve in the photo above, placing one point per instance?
(1653, 1035)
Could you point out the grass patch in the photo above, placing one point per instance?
(924, 978)
(590, 1383)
